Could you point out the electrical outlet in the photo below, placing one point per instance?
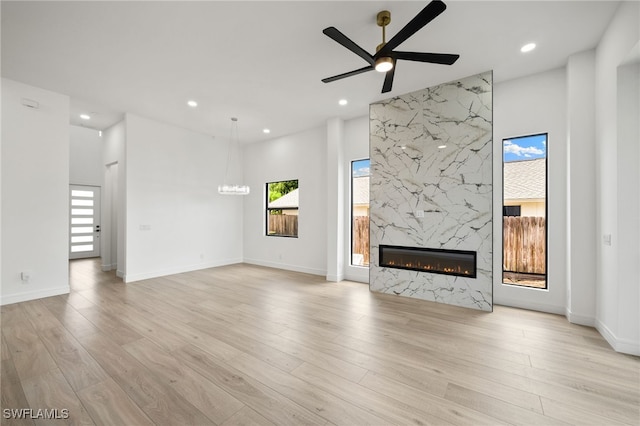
(419, 213)
(606, 239)
(25, 276)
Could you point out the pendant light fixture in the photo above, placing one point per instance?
(226, 189)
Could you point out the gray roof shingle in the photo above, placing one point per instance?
(525, 179)
(287, 201)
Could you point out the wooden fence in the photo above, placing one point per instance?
(361, 237)
(283, 224)
(524, 247)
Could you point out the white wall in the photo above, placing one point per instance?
(617, 290)
(335, 227)
(35, 193)
(530, 105)
(114, 200)
(176, 221)
(356, 147)
(581, 181)
(301, 156)
(85, 156)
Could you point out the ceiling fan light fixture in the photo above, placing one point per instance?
(384, 64)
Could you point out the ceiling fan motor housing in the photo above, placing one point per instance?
(383, 18)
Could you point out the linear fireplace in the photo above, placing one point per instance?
(460, 263)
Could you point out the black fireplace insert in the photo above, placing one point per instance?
(460, 263)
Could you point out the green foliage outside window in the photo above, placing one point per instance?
(278, 189)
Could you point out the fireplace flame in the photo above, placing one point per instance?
(428, 267)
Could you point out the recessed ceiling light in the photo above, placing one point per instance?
(342, 102)
(442, 146)
(192, 104)
(85, 116)
(528, 47)
(266, 131)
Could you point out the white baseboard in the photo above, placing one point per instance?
(129, 278)
(580, 319)
(625, 346)
(287, 267)
(334, 278)
(33, 295)
(357, 276)
(532, 306)
(119, 273)
(107, 268)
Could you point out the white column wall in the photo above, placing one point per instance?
(114, 200)
(356, 147)
(581, 197)
(35, 193)
(335, 200)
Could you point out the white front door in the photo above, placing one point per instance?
(84, 221)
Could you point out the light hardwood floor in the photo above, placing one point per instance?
(242, 344)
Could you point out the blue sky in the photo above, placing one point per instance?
(524, 148)
(360, 168)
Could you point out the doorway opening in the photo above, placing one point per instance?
(84, 221)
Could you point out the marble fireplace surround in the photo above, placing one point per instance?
(430, 196)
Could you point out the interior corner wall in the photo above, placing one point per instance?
(175, 219)
(85, 156)
(524, 106)
(35, 193)
(618, 304)
(431, 151)
(301, 156)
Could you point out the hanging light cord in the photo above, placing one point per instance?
(234, 125)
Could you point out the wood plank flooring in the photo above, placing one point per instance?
(247, 345)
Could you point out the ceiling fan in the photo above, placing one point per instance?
(385, 57)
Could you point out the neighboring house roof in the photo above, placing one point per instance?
(287, 201)
(525, 179)
(361, 190)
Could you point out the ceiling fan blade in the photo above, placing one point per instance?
(388, 79)
(434, 58)
(337, 36)
(347, 74)
(426, 15)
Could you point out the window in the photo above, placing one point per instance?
(282, 208)
(524, 222)
(360, 212)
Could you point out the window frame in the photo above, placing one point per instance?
(269, 209)
(351, 213)
(546, 213)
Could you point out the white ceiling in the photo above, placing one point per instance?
(263, 61)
